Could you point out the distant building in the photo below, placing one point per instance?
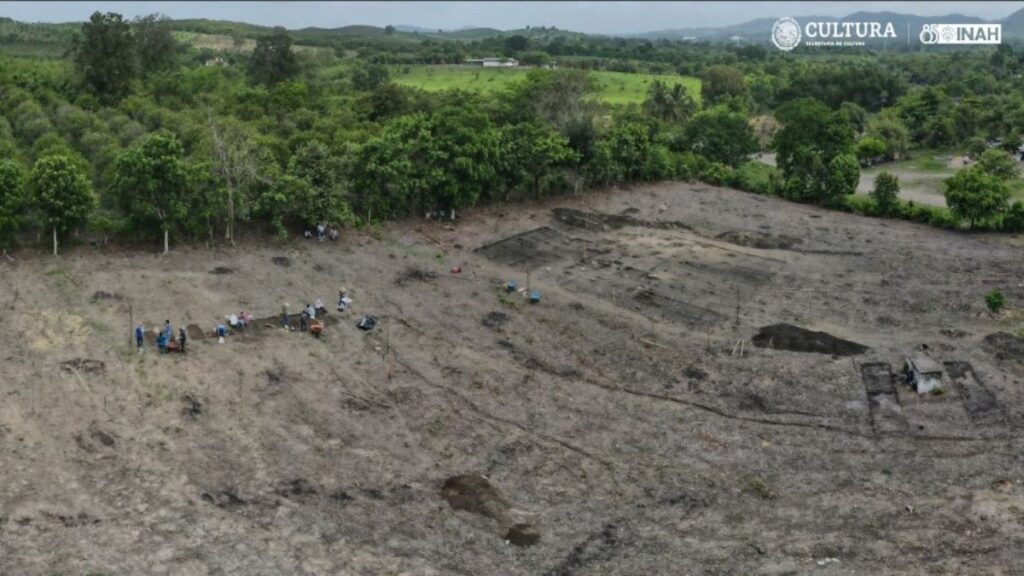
(493, 62)
(218, 61)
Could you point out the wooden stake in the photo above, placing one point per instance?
(737, 306)
(131, 327)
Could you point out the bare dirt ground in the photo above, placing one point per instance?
(620, 425)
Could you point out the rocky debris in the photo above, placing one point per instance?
(94, 439)
(474, 493)
(695, 373)
(495, 320)
(282, 261)
(523, 534)
(223, 498)
(221, 270)
(100, 295)
(296, 487)
(193, 407)
(85, 365)
(797, 339)
(413, 274)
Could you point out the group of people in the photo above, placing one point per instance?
(165, 340)
(310, 311)
(322, 233)
(239, 321)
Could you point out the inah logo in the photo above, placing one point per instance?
(961, 34)
(786, 33)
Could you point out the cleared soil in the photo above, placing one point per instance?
(626, 424)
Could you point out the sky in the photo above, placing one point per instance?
(590, 17)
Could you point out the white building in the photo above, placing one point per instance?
(924, 374)
(493, 62)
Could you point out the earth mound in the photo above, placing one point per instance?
(797, 339)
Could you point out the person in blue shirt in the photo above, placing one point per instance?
(168, 331)
(161, 342)
(140, 336)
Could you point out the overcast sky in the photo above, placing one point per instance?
(592, 17)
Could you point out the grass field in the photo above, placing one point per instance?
(616, 87)
(922, 176)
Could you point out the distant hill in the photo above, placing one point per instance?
(1013, 25)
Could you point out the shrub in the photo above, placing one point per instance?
(717, 174)
(1013, 221)
(995, 301)
(886, 193)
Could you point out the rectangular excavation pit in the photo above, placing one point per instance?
(883, 402)
(528, 250)
(979, 402)
(655, 304)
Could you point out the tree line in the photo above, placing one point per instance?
(139, 136)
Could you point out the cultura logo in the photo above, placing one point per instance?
(786, 34)
(961, 34)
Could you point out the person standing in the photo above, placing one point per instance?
(182, 337)
(168, 331)
(284, 315)
(140, 336)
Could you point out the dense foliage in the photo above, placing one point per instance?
(129, 129)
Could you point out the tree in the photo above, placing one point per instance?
(998, 163)
(721, 82)
(12, 200)
(104, 55)
(811, 138)
(389, 30)
(886, 193)
(855, 115)
(234, 162)
(516, 43)
(531, 151)
(155, 47)
(369, 77)
(621, 154)
(976, 195)
(843, 176)
(535, 58)
(888, 128)
(976, 147)
(720, 136)
(273, 60)
(669, 105)
(321, 196)
(62, 195)
(870, 147)
(152, 183)
(559, 97)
